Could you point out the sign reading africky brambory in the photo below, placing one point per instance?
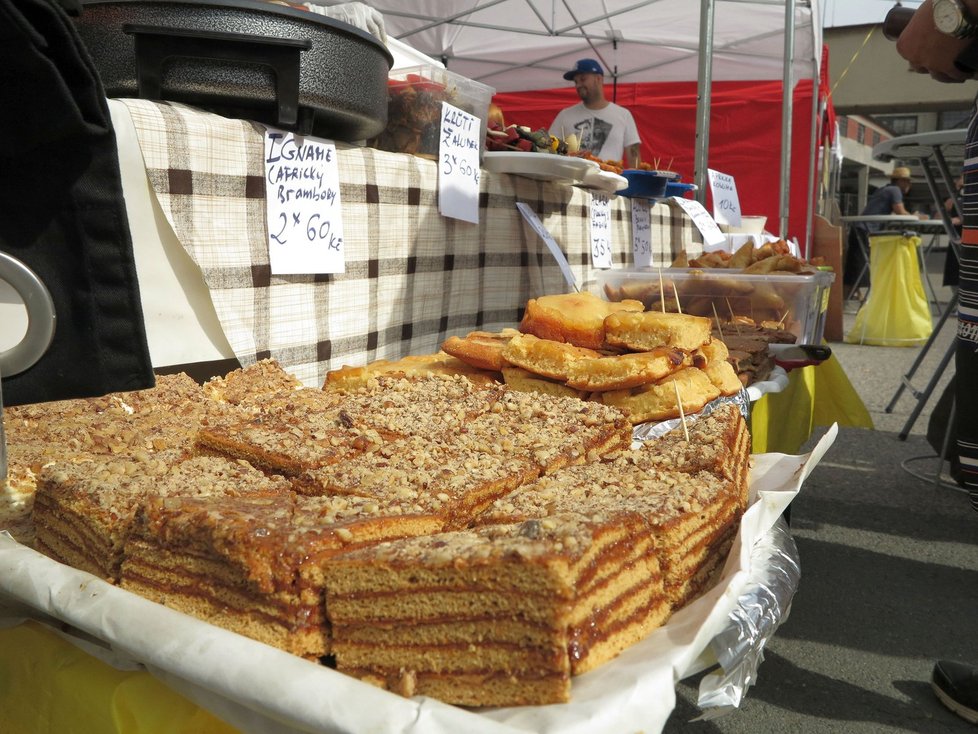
(302, 203)
(458, 164)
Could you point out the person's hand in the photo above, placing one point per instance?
(928, 50)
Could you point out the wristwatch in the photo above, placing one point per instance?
(953, 18)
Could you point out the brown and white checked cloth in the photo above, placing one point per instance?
(412, 277)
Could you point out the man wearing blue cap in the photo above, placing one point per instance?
(603, 128)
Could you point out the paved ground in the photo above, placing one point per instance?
(889, 578)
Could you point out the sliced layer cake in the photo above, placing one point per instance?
(483, 617)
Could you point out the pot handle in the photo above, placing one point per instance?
(40, 317)
(155, 44)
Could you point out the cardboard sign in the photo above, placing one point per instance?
(600, 231)
(702, 220)
(534, 221)
(641, 233)
(726, 204)
(302, 205)
(458, 164)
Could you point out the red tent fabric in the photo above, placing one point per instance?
(745, 135)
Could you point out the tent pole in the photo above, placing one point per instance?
(813, 172)
(787, 96)
(704, 85)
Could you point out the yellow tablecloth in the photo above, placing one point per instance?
(50, 686)
(817, 395)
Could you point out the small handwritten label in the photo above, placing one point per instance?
(600, 231)
(726, 204)
(302, 205)
(701, 220)
(641, 233)
(534, 221)
(458, 164)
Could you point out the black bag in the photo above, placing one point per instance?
(63, 214)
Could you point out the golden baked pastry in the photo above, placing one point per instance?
(522, 380)
(348, 378)
(625, 370)
(650, 329)
(724, 376)
(657, 401)
(545, 357)
(481, 349)
(575, 318)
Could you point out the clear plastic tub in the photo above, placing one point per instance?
(414, 97)
(795, 302)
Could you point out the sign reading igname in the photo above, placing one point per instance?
(302, 205)
(458, 164)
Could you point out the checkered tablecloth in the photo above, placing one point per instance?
(412, 277)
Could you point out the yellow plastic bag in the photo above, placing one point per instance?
(49, 686)
(896, 313)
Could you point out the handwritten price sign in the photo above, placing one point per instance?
(600, 231)
(458, 170)
(641, 233)
(726, 203)
(302, 203)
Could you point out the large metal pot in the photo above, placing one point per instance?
(242, 58)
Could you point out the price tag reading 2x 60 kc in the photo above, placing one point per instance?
(305, 223)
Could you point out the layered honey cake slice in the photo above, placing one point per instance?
(253, 565)
(550, 431)
(290, 432)
(481, 617)
(451, 475)
(718, 443)
(246, 385)
(688, 515)
(84, 512)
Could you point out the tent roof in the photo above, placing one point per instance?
(518, 45)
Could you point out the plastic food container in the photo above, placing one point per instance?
(414, 97)
(794, 302)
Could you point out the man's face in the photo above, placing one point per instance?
(588, 86)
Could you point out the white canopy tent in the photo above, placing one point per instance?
(518, 45)
(521, 45)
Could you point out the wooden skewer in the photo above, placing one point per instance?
(781, 320)
(717, 317)
(676, 294)
(733, 319)
(669, 167)
(682, 415)
(662, 292)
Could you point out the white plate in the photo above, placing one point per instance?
(541, 166)
(603, 180)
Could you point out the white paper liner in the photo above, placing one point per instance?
(261, 689)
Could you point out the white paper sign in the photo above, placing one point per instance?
(641, 233)
(600, 231)
(458, 164)
(726, 204)
(702, 220)
(534, 221)
(302, 205)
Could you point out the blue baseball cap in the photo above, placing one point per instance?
(584, 66)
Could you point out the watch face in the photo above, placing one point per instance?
(947, 16)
